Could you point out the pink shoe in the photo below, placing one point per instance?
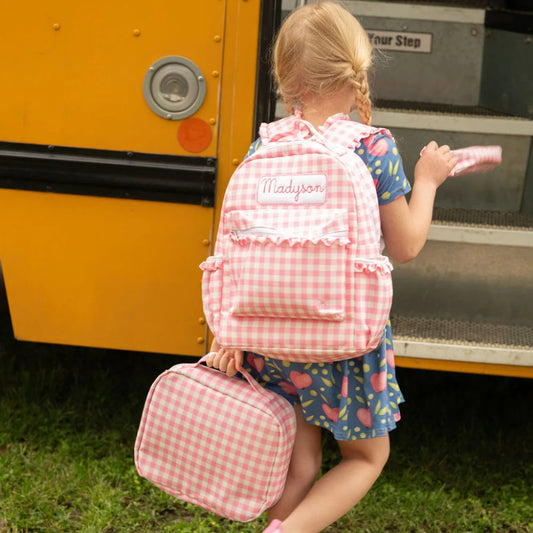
(273, 527)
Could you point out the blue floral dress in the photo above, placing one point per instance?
(356, 398)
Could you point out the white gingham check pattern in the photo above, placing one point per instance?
(474, 159)
(217, 442)
(300, 282)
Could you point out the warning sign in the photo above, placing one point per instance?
(401, 41)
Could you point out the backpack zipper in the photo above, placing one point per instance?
(268, 231)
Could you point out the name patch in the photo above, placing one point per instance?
(401, 41)
(298, 189)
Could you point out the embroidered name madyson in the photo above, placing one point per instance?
(296, 189)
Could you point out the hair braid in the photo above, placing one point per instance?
(362, 98)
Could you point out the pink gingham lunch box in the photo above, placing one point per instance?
(221, 443)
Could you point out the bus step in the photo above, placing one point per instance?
(462, 341)
(482, 227)
(440, 108)
(447, 117)
(500, 189)
(438, 49)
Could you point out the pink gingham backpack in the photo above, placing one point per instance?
(214, 441)
(297, 272)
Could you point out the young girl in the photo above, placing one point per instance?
(321, 59)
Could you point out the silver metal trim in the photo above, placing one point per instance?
(464, 353)
(390, 10)
(477, 235)
(189, 71)
(426, 120)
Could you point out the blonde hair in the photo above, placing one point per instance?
(320, 48)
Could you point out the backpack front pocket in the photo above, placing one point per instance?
(289, 268)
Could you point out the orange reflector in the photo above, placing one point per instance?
(194, 134)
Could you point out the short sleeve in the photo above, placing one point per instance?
(253, 147)
(383, 160)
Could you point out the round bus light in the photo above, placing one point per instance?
(194, 134)
(174, 87)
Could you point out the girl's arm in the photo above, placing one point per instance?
(405, 227)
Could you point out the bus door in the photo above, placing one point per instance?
(118, 124)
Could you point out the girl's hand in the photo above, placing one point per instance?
(228, 361)
(435, 164)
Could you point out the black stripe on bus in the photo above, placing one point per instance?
(520, 21)
(115, 174)
(265, 95)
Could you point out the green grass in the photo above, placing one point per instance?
(461, 458)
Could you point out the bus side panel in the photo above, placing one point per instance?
(103, 272)
(94, 270)
(88, 270)
(74, 71)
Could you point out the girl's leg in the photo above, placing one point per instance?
(304, 467)
(335, 493)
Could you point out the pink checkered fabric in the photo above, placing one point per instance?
(476, 159)
(214, 441)
(297, 272)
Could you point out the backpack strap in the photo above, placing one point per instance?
(291, 128)
(338, 133)
(295, 128)
(339, 129)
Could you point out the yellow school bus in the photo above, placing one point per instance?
(120, 126)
